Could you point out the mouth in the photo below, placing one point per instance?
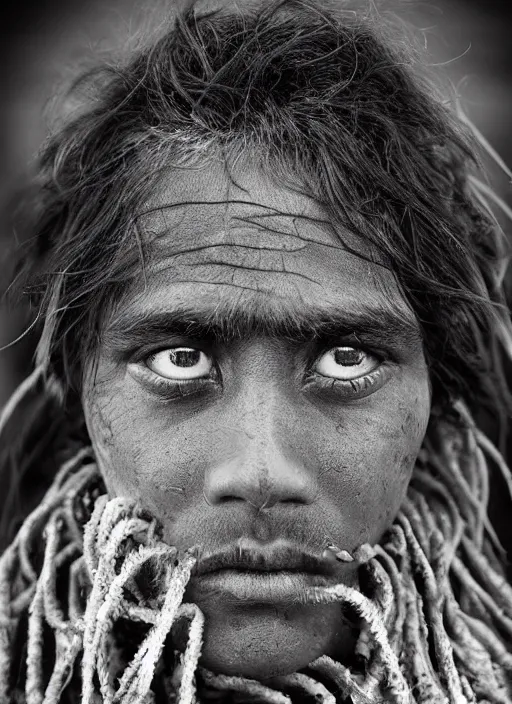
(252, 587)
(259, 574)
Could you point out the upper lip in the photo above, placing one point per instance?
(274, 557)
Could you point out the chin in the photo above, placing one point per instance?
(261, 662)
(261, 643)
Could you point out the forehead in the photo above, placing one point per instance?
(224, 243)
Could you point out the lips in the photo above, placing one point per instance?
(252, 573)
(253, 587)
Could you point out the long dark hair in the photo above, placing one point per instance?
(322, 99)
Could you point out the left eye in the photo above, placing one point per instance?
(180, 363)
(345, 363)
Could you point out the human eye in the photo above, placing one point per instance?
(180, 363)
(346, 363)
(349, 371)
(176, 372)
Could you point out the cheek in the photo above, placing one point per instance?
(146, 455)
(368, 460)
(110, 426)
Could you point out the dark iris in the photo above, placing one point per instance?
(185, 357)
(348, 356)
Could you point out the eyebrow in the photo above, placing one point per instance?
(371, 325)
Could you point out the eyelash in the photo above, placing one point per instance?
(353, 388)
(346, 389)
(172, 389)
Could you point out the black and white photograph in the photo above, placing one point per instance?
(256, 352)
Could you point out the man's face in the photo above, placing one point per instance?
(262, 387)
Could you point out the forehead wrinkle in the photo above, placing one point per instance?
(223, 201)
(262, 222)
(246, 267)
(257, 219)
(365, 252)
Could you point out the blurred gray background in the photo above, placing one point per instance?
(43, 44)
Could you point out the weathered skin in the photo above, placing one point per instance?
(259, 452)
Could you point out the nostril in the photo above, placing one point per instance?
(260, 482)
(230, 499)
(221, 499)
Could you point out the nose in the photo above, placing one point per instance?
(261, 469)
(262, 477)
(263, 460)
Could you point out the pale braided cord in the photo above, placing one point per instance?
(346, 681)
(104, 574)
(434, 602)
(193, 651)
(442, 510)
(342, 593)
(494, 583)
(35, 522)
(415, 654)
(305, 685)
(52, 610)
(34, 682)
(374, 666)
(397, 584)
(468, 505)
(44, 606)
(230, 683)
(437, 537)
(412, 644)
(67, 653)
(493, 453)
(110, 609)
(91, 534)
(485, 635)
(136, 681)
(474, 660)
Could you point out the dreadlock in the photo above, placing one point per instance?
(324, 101)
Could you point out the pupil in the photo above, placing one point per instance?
(184, 357)
(348, 356)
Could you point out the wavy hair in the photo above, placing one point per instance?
(321, 97)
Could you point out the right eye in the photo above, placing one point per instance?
(180, 363)
(345, 363)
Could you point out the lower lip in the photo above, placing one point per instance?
(260, 587)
